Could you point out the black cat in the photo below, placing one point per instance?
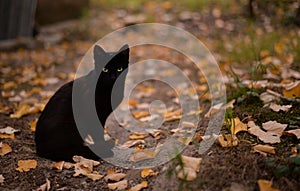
(57, 136)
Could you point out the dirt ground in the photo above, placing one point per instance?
(228, 169)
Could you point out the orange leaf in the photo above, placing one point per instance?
(265, 185)
(148, 172)
(4, 149)
(26, 165)
(292, 90)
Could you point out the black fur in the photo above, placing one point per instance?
(57, 136)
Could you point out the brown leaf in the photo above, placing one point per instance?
(94, 176)
(121, 185)
(277, 108)
(148, 172)
(292, 90)
(295, 132)
(186, 124)
(140, 114)
(9, 85)
(33, 125)
(191, 162)
(4, 149)
(265, 185)
(185, 173)
(44, 187)
(264, 149)
(140, 155)
(26, 165)
(237, 126)
(58, 165)
(25, 109)
(1, 179)
(262, 135)
(139, 187)
(138, 135)
(132, 143)
(274, 127)
(228, 140)
(114, 177)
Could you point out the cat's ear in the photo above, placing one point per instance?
(124, 51)
(99, 52)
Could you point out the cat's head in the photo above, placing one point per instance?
(111, 64)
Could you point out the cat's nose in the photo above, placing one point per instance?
(113, 76)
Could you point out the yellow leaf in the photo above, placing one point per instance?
(9, 85)
(121, 185)
(292, 90)
(26, 165)
(228, 140)
(148, 172)
(173, 113)
(139, 187)
(138, 135)
(25, 109)
(4, 149)
(33, 125)
(264, 149)
(6, 136)
(265, 185)
(140, 114)
(237, 126)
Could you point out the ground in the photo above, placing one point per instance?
(245, 50)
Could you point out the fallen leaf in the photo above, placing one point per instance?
(191, 162)
(132, 103)
(84, 161)
(274, 127)
(139, 187)
(58, 165)
(214, 109)
(186, 124)
(262, 135)
(170, 114)
(6, 136)
(94, 176)
(114, 177)
(138, 135)
(44, 187)
(118, 185)
(277, 108)
(4, 149)
(185, 173)
(295, 132)
(111, 171)
(148, 172)
(185, 140)
(267, 97)
(25, 109)
(1, 179)
(8, 130)
(265, 185)
(140, 114)
(228, 140)
(140, 155)
(172, 118)
(292, 90)
(132, 143)
(264, 149)
(26, 165)
(32, 125)
(237, 126)
(9, 85)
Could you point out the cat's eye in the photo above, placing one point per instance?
(105, 70)
(120, 69)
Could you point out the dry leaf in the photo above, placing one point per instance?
(185, 140)
(132, 103)
(274, 127)
(277, 108)
(237, 126)
(228, 140)
(214, 109)
(140, 114)
(68, 165)
(6, 136)
(84, 161)
(267, 97)
(262, 135)
(139, 187)
(8, 130)
(295, 132)
(44, 187)
(172, 118)
(186, 124)
(292, 90)
(26, 165)
(191, 162)
(185, 173)
(140, 155)
(115, 177)
(58, 165)
(170, 114)
(138, 135)
(4, 149)
(1, 179)
(94, 176)
(9, 85)
(112, 171)
(132, 143)
(148, 172)
(118, 185)
(25, 109)
(265, 185)
(264, 149)
(33, 125)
